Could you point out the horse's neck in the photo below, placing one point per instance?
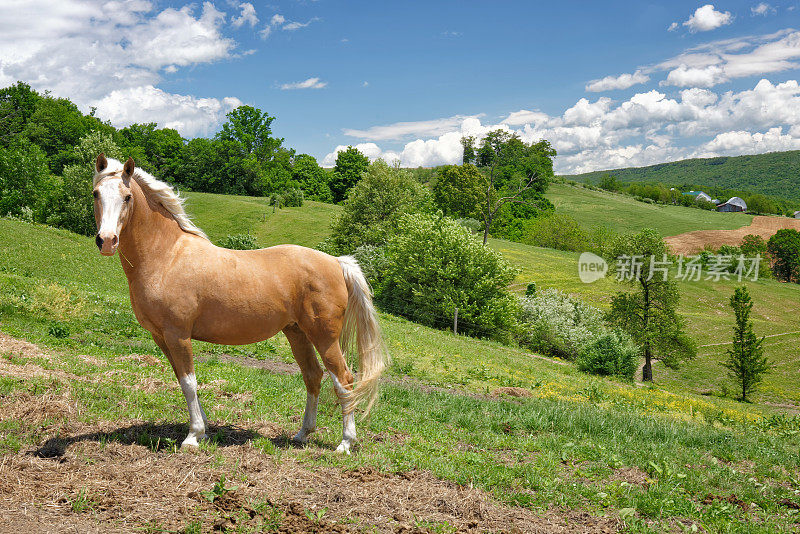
(149, 236)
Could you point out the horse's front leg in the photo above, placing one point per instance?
(178, 349)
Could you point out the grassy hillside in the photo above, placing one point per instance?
(704, 304)
(622, 213)
(221, 215)
(577, 443)
(776, 173)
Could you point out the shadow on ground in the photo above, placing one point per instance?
(155, 436)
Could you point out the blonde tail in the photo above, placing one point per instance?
(361, 325)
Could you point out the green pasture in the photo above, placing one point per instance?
(575, 443)
(622, 213)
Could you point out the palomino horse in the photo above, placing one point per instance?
(183, 287)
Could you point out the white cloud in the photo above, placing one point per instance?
(763, 9)
(112, 55)
(706, 18)
(292, 26)
(400, 130)
(672, 27)
(744, 142)
(685, 76)
(310, 83)
(623, 81)
(248, 16)
(649, 127)
(721, 61)
(189, 115)
(278, 21)
(524, 116)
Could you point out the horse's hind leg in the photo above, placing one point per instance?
(328, 347)
(303, 351)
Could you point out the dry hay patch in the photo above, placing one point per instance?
(19, 347)
(511, 392)
(147, 359)
(128, 485)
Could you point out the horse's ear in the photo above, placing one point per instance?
(101, 163)
(127, 170)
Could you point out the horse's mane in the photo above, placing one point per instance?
(162, 192)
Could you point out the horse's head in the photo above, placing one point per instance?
(113, 203)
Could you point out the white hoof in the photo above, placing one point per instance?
(192, 440)
(344, 447)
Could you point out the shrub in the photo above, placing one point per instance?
(557, 231)
(373, 262)
(293, 197)
(784, 248)
(374, 207)
(473, 225)
(435, 266)
(557, 324)
(239, 242)
(611, 354)
(26, 185)
(530, 290)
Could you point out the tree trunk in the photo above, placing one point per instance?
(647, 370)
(485, 235)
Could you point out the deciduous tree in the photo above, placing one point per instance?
(350, 164)
(649, 314)
(513, 172)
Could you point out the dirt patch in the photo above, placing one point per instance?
(146, 359)
(732, 499)
(694, 242)
(511, 392)
(31, 370)
(631, 475)
(123, 475)
(273, 366)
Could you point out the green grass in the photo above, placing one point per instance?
(704, 304)
(622, 213)
(562, 447)
(222, 215)
(565, 446)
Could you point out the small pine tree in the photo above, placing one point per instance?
(746, 362)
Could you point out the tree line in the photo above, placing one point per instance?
(47, 145)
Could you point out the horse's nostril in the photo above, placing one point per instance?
(98, 241)
(114, 241)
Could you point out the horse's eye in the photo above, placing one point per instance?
(127, 198)
(96, 194)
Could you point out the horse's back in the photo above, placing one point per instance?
(264, 290)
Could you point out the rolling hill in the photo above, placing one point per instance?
(703, 303)
(88, 389)
(776, 173)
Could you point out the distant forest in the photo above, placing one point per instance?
(776, 174)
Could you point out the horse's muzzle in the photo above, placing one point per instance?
(107, 245)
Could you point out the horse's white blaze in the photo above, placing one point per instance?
(111, 202)
(309, 419)
(197, 427)
(348, 419)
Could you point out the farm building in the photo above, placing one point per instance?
(733, 204)
(796, 215)
(699, 195)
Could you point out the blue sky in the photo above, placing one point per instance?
(609, 84)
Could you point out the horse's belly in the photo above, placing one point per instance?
(237, 326)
